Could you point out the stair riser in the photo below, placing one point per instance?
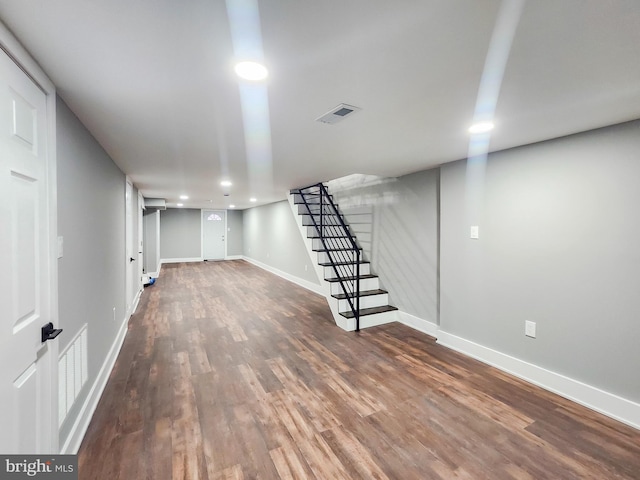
(338, 256)
(328, 221)
(327, 230)
(311, 199)
(365, 284)
(316, 243)
(329, 272)
(366, 302)
(314, 209)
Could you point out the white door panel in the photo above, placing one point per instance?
(25, 303)
(214, 228)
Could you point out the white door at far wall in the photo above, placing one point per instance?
(214, 234)
(131, 251)
(27, 365)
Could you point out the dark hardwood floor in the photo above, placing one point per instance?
(229, 372)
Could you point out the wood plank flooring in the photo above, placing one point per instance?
(229, 372)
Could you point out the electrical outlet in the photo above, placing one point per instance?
(530, 329)
(114, 314)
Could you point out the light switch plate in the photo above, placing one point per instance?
(530, 329)
(60, 247)
(475, 232)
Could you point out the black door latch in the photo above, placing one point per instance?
(49, 333)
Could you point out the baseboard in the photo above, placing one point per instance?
(76, 434)
(297, 280)
(417, 323)
(233, 257)
(181, 260)
(136, 301)
(611, 405)
(154, 274)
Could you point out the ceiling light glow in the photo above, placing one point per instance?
(481, 127)
(184, 197)
(251, 71)
(180, 204)
(232, 206)
(253, 200)
(226, 183)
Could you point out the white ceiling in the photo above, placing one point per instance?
(153, 81)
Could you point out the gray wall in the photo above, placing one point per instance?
(151, 248)
(235, 240)
(558, 246)
(405, 243)
(180, 233)
(271, 236)
(396, 223)
(91, 218)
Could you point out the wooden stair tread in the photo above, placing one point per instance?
(349, 279)
(370, 311)
(363, 293)
(330, 236)
(339, 264)
(346, 249)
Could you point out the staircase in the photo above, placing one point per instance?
(340, 261)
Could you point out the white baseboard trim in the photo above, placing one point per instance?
(417, 323)
(233, 257)
(297, 280)
(154, 274)
(182, 260)
(136, 301)
(611, 405)
(76, 434)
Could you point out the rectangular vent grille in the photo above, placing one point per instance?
(338, 114)
(72, 373)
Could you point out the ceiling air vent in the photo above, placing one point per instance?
(338, 114)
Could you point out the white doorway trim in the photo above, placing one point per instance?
(49, 385)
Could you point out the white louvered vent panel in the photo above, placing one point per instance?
(62, 389)
(72, 373)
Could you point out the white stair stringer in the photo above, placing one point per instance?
(329, 288)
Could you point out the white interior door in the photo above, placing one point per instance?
(140, 262)
(214, 226)
(130, 260)
(27, 389)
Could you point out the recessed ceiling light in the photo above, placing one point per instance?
(232, 206)
(184, 197)
(481, 127)
(251, 71)
(253, 200)
(226, 183)
(179, 204)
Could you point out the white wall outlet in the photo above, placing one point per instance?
(114, 314)
(60, 247)
(475, 232)
(530, 329)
